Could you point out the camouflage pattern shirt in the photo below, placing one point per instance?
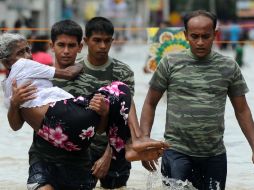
(196, 97)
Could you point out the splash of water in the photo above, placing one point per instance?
(154, 182)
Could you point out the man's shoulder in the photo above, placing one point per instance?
(220, 55)
(223, 59)
(174, 58)
(119, 64)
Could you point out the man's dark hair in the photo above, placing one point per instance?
(99, 25)
(196, 13)
(67, 27)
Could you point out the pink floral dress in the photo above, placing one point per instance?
(70, 124)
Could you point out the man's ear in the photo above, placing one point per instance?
(185, 34)
(51, 45)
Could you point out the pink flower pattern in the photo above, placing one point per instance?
(52, 104)
(117, 142)
(57, 138)
(87, 133)
(54, 132)
(114, 140)
(122, 112)
(69, 146)
(113, 88)
(81, 98)
(44, 132)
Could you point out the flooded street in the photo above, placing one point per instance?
(14, 145)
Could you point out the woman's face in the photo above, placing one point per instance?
(22, 50)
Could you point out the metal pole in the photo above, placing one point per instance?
(166, 4)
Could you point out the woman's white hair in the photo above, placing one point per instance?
(8, 42)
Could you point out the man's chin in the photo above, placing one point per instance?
(201, 54)
(66, 63)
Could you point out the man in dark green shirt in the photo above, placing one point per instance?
(100, 70)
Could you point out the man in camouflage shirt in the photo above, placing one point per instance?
(197, 82)
(100, 70)
(52, 168)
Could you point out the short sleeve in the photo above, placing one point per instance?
(238, 86)
(159, 80)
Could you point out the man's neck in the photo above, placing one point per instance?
(56, 65)
(96, 62)
(59, 66)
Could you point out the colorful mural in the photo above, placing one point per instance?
(163, 41)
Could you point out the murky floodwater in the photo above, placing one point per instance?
(14, 145)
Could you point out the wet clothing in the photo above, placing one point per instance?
(196, 97)
(28, 70)
(203, 172)
(69, 125)
(93, 78)
(71, 177)
(118, 174)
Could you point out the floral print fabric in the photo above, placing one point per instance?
(70, 124)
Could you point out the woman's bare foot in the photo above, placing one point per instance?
(145, 155)
(146, 143)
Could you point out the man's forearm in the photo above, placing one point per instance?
(69, 72)
(15, 119)
(246, 123)
(146, 120)
(133, 122)
(148, 111)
